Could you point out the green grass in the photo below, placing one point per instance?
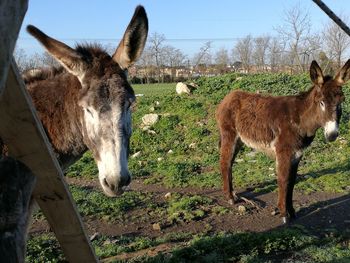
(294, 244)
(189, 120)
(154, 89)
(96, 204)
(187, 127)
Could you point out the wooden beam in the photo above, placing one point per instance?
(11, 16)
(332, 16)
(16, 186)
(22, 131)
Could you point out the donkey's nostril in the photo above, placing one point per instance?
(106, 182)
(109, 185)
(125, 181)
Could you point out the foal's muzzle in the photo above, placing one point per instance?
(331, 130)
(330, 137)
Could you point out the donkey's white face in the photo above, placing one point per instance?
(106, 122)
(105, 97)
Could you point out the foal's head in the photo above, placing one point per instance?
(105, 97)
(328, 98)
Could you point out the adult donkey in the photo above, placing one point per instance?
(281, 127)
(86, 103)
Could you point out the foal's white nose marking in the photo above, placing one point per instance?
(331, 126)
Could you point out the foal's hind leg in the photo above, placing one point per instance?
(230, 145)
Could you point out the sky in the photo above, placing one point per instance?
(186, 24)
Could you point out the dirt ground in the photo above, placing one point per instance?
(314, 211)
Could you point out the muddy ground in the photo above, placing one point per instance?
(315, 212)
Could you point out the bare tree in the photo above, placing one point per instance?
(146, 62)
(243, 51)
(261, 45)
(174, 58)
(275, 54)
(295, 32)
(156, 42)
(37, 60)
(222, 60)
(21, 59)
(337, 42)
(203, 57)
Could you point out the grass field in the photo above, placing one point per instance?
(154, 89)
(180, 157)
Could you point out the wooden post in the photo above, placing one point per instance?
(16, 186)
(11, 16)
(22, 131)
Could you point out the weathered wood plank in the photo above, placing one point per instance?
(21, 130)
(16, 186)
(11, 16)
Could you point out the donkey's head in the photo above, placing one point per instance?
(105, 97)
(328, 98)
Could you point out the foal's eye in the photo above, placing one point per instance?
(323, 105)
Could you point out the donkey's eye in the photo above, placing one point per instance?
(89, 111)
(129, 103)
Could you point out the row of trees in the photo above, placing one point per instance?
(291, 49)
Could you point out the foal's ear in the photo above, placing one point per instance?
(131, 46)
(316, 74)
(64, 54)
(344, 73)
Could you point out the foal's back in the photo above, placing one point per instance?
(255, 116)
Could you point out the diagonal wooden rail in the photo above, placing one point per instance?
(333, 16)
(22, 131)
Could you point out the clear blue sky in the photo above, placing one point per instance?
(104, 21)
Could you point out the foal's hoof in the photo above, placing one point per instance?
(285, 220)
(231, 201)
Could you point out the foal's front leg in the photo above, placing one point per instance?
(284, 180)
(291, 183)
(230, 145)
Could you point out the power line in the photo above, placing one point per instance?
(167, 39)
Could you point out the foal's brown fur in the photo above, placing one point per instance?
(279, 126)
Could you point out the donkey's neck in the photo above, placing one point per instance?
(308, 121)
(56, 100)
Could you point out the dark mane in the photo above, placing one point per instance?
(90, 51)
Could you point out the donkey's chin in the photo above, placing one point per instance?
(117, 192)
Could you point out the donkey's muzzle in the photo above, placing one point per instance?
(112, 189)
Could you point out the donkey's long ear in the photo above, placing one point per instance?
(67, 56)
(344, 73)
(134, 39)
(316, 74)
